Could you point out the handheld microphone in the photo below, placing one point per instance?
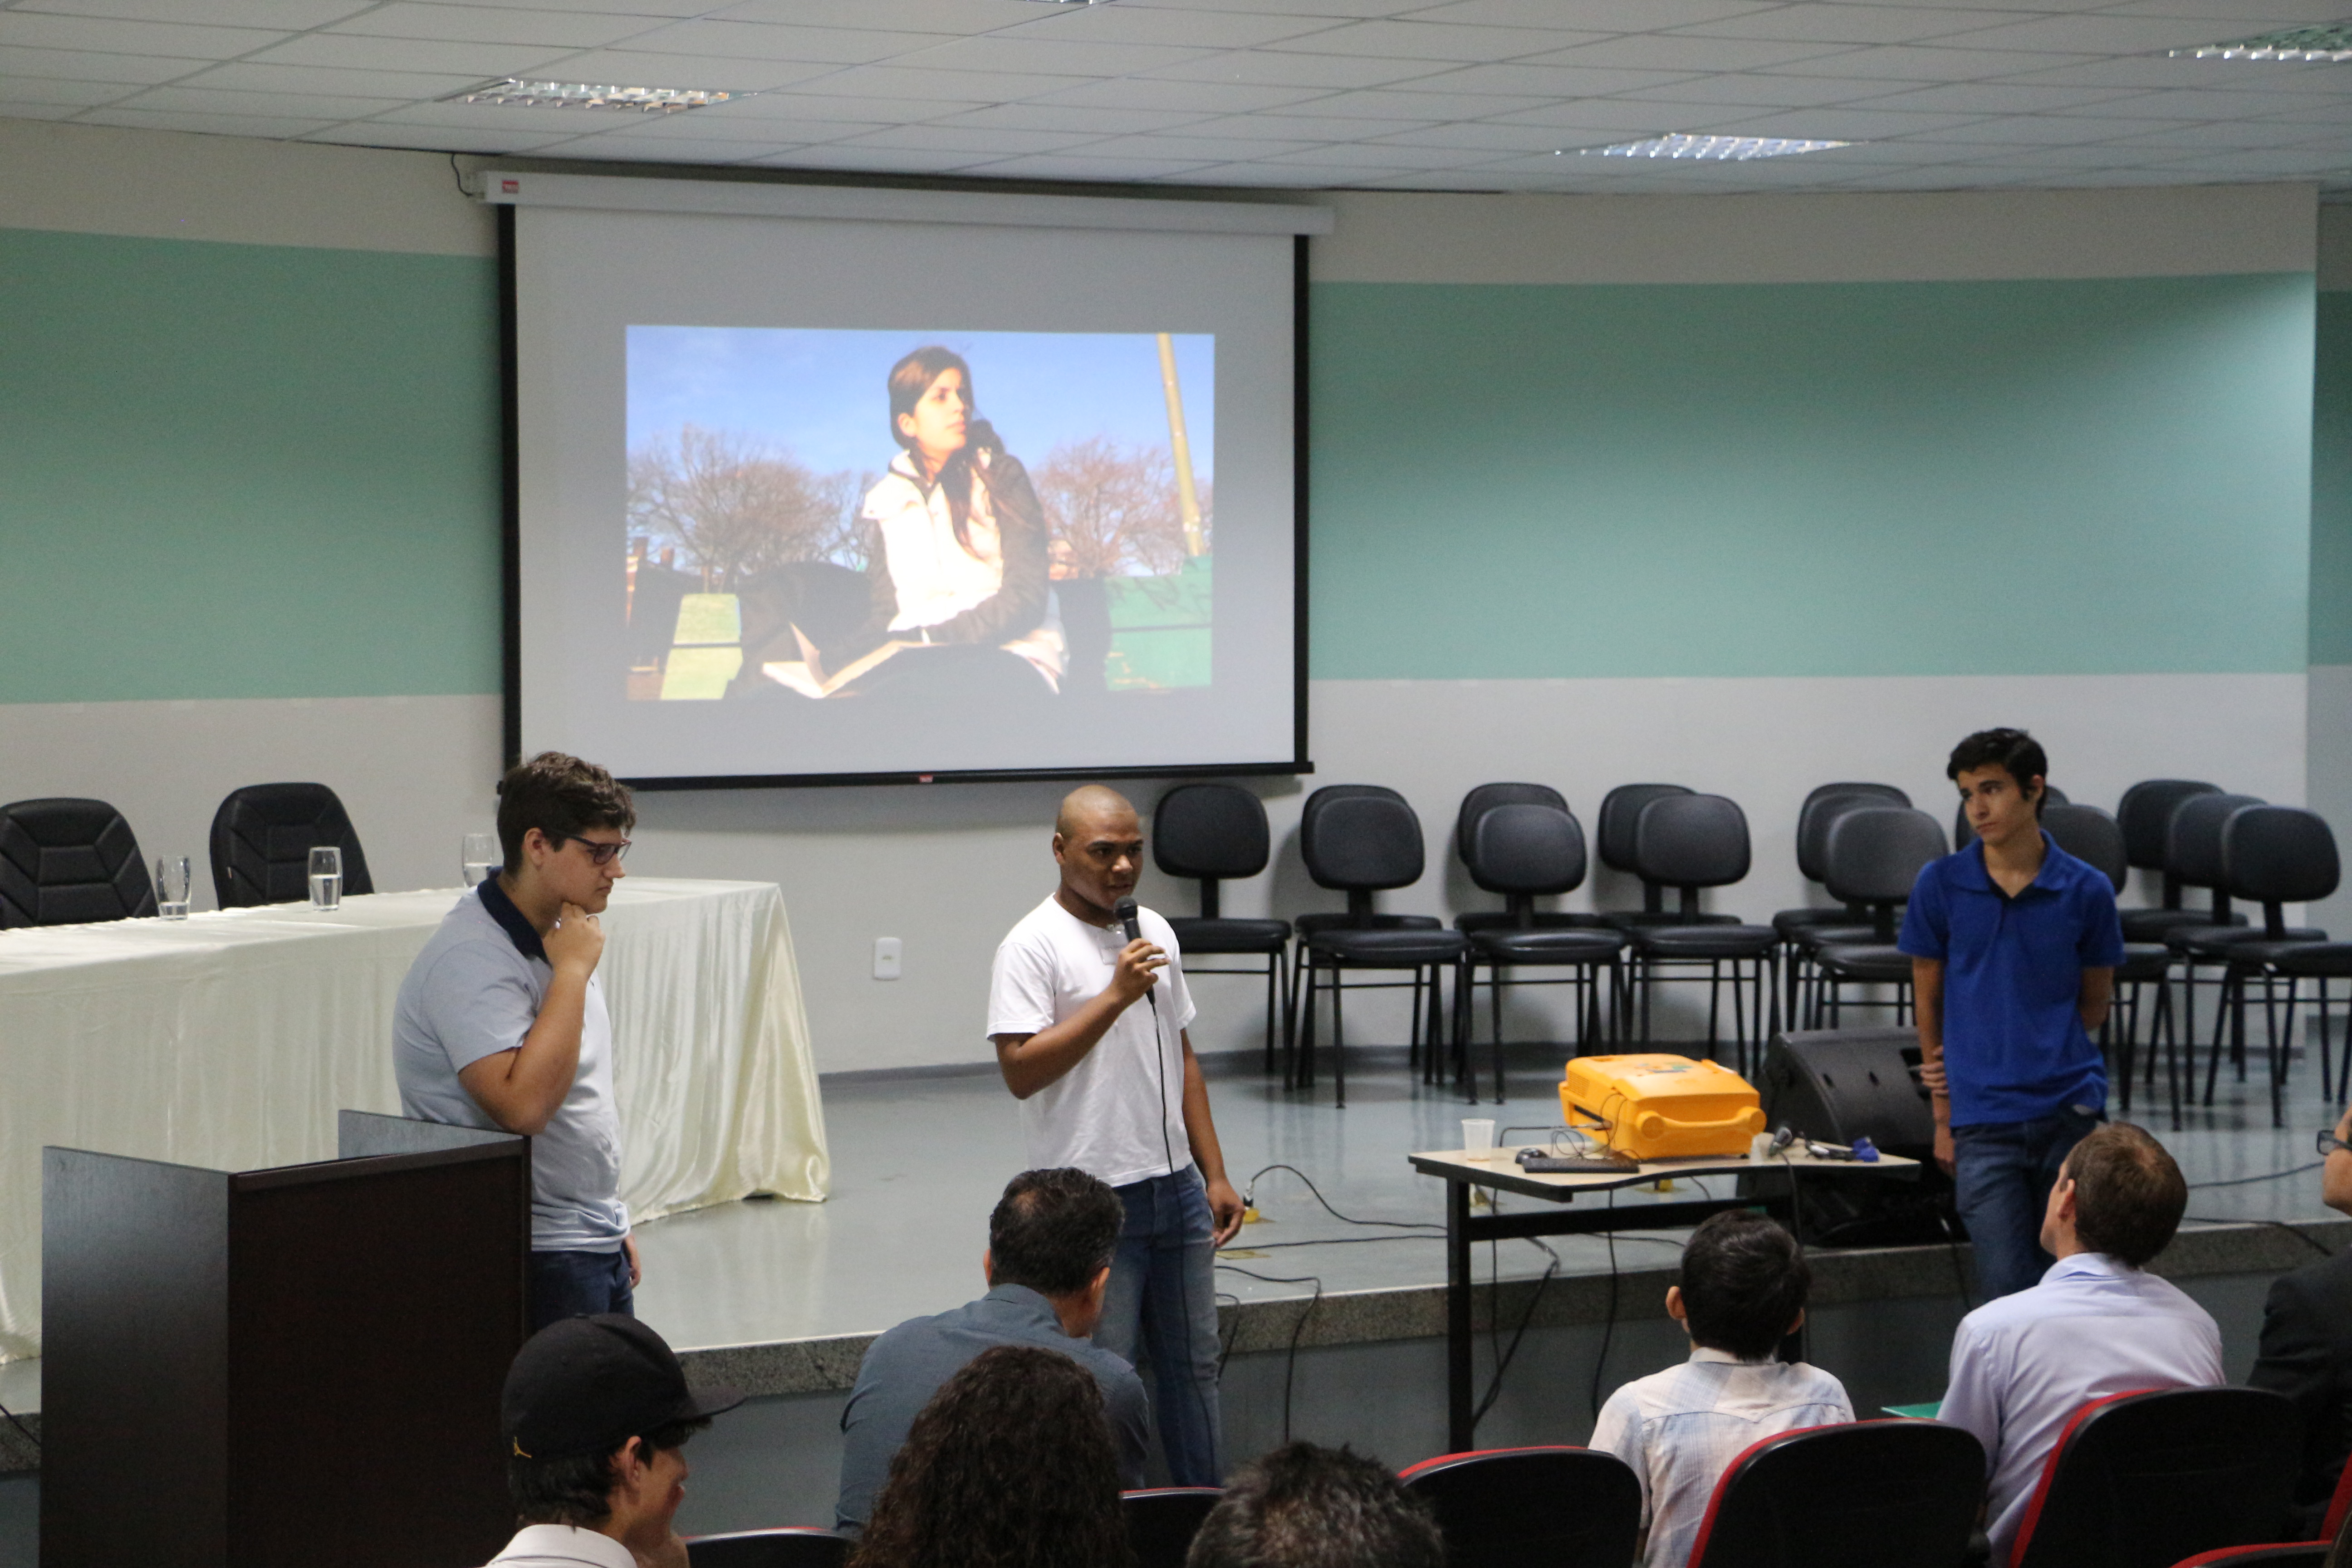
(1124, 912)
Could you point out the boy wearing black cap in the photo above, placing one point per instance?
(596, 1410)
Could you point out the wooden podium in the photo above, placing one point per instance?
(282, 1367)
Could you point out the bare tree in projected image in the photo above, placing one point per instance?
(735, 506)
(1113, 509)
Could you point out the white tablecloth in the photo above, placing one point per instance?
(230, 1040)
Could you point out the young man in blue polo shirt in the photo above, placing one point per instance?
(2014, 944)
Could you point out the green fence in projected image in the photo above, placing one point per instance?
(1159, 629)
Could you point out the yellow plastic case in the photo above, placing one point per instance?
(1660, 1107)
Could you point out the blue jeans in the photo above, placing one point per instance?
(1161, 1308)
(575, 1284)
(2002, 1173)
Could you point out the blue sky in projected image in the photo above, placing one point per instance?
(820, 393)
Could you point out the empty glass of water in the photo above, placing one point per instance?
(172, 887)
(326, 876)
(480, 857)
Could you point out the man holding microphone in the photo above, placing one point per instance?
(1088, 1009)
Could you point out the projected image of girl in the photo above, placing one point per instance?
(963, 557)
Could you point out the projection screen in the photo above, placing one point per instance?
(817, 485)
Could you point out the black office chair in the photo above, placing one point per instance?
(2322, 962)
(1875, 854)
(1215, 832)
(1621, 818)
(798, 1546)
(1688, 842)
(1361, 843)
(1963, 835)
(1161, 1522)
(2097, 839)
(262, 838)
(2142, 1480)
(68, 861)
(1306, 925)
(1802, 930)
(1476, 803)
(2144, 815)
(2197, 855)
(2273, 856)
(1522, 852)
(1864, 1492)
(1518, 1508)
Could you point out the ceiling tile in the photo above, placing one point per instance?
(433, 138)
(409, 86)
(1927, 62)
(721, 74)
(1182, 25)
(1767, 91)
(16, 110)
(2218, 135)
(279, 15)
(499, 116)
(2253, 17)
(880, 160)
(966, 139)
(1258, 67)
(1603, 114)
(1483, 136)
(1436, 41)
(1186, 97)
(1998, 98)
(1396, 104)
(714, 125)
(1383, 155)
(1067, 166)
(31, 30)
(1850, 24)
(181, 99)
(271, 127)
(1344, 9)
(947, 17)
(1293, 128)
(759, 40)
(1594, 15)
(2337, 113)
(493, 25)
(1102, 121)
(349, 52)
(51, 90)
(2091, 34)
(897, 81)
(2202, 105)
(1542, 81)
(2157, 71)
(653, 10)
(75, 65)
(708, 154)
(1192, 150)
(1027, 52)
(815, 107)
(2048, 131)
(1685, 52)
(1837, 124)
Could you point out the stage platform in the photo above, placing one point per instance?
(781, 1298)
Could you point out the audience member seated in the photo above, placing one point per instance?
(596, 1412)
(1304, 1506)
(2097, 1324)
(2307, 1350)
(1048, 1260)
(1742, 1290)
(1011, 1462)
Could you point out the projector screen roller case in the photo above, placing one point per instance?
(815, 499)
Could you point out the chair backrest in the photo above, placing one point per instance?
(1488, 796)
(1515, 1508)
(1522, 850)
(1360, 838)
(1621, 812)
(1963, 835)
(1690, 841)
(2277, 855)
(1822, 807)
(2193, 852)
(1161, 1522)
(798, 1546)
(1860, 1492)
(1209, 831)
(2339, 1507)
(2145, 815)
(2142, 1480)
(261, 842)
(2091, 836)
(68, 861)
(1876, 852)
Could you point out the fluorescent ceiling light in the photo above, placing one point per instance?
(1739, 148)
(2333, 42)
(522, 94)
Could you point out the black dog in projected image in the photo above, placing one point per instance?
(957, 602)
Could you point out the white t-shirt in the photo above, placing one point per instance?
(1119, 1115)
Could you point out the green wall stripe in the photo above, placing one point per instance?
(237, 470)
(2089, 476)
(2331, 484)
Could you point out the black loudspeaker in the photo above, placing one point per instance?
(1837, 1085)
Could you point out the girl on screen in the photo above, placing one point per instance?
(964, 556)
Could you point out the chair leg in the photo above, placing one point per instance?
(1303, 1066)
(1495, 998)
(2221, 1019)
(1271, 958)
(1714, 1001)
(1739, 1015)
(1338, 1038)
(2277, 1049)
(2127, 1047)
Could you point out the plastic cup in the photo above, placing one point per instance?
(1478, 1137)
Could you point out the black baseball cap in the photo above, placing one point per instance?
(586, 1385)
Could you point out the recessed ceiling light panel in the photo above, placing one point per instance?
(1733, 148)
(517, 94)
(2333, 42)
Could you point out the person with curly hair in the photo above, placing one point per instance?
(1304, 1506)
(1009, 1466)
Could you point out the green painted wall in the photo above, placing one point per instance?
(2331, 485)
(232, 470)
(1895, 479)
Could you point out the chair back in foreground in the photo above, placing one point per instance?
(2144, 814)
(262, 838)
(1963, 835)
(796, 1546)
(1161, 1522)
(1823, 808)
(2141, 1480)
(2192, 852)
(1514, 1507)
(1213, 831)
(2278, 855)
(1621, 813)
(1522, 851)
(1486, 797)
(2092, 836)
(2284, 1554)
(1361, 839)
(1690, 841)
(1875, 854)
(1856, 1495)
(68, 861)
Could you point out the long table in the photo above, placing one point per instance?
(1770, 1185)
(231, 1038)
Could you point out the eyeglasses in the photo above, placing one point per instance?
(2329, 1142)
(601, 854)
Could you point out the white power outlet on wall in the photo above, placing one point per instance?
(887, 952)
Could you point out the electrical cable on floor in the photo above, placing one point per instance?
(1609, 1324)
(1250, 1192)
(2265, 1176)
(1290, 1361)
(1503, 1358)
(2297, 1232)
(1336, 1241)
(20, 1426)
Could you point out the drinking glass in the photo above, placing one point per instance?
(1478, 1137)
(172, 887)
(326, 876)
(480, 856)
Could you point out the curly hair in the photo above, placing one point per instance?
(1304, 1506)
(1009, 1466)
(560, 795)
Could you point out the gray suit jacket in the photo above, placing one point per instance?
(905, 1366)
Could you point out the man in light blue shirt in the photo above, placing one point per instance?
(2097, 1324)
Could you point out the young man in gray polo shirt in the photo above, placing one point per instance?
(501, 1025)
